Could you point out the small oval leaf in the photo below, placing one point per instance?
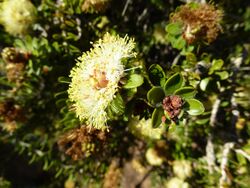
(204, 83)
(195, 107)
(134, 80)
(157, 75)
(186, 92)
(223, 75)
(179, 43)
(174, 28)
(155, 96)
(216, 65)
(157, 117)
(173, 83)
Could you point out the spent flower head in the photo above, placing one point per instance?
(17, 16)
(95, 5)
(96, 76)
(200, 21)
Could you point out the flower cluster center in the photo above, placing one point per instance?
(99, 79)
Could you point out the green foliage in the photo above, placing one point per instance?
(157, 117)
(155, 95)
(134, 81)
(194, 107)
(157, 75)
(173, 86)
(173, 83)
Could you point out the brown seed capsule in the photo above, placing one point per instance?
(14, 55)
(176, 101)
(172, 105)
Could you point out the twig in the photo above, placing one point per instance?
(225, 178)
(214, 112)
(236, 68)
(139, 185)
(242, 153)
(125, 7)
(210, 155)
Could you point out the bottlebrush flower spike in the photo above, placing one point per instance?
(95, 78)
(17, 16)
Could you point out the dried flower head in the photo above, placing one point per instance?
(172, 106)
(17, 16)
(95, 5)
(14, 55)
(15, 72)
(96, 76)
(9, 111)
(200, 22)
(82, 142)
(15, 61)
(11, 114)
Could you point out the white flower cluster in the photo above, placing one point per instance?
(96, 76)
(17, 16)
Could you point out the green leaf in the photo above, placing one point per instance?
(134, 80)
(61, 102)
(170, 38)
(174, 28)
(117, 105)
(179, 43)
(204, 83)
(193, 5)
(216, 65)
(173, 83)
(130, 93)
(202, 121)
(157, 117)
(242, 160)
(63, 79)
(195, 107)
(172, 127)
(191, 57)
(61, 94)
(156, 75)
(204, 118)
(223, 75)
(186, 92)
(210, 85)
(155, 96)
